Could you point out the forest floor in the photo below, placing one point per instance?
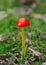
(35, 34)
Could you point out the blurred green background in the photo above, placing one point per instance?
(8, 25)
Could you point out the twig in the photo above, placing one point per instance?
(36, 53)
(39, 16)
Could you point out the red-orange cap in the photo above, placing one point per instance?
(23, 22)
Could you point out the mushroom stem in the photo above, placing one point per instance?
(23, 43)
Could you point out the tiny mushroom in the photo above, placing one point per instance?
(23, 22)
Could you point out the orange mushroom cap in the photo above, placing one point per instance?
(23, 22)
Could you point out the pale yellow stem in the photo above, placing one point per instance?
(23, 43)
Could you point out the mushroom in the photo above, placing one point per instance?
(23, 22)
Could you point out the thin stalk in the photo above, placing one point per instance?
(23, 43)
